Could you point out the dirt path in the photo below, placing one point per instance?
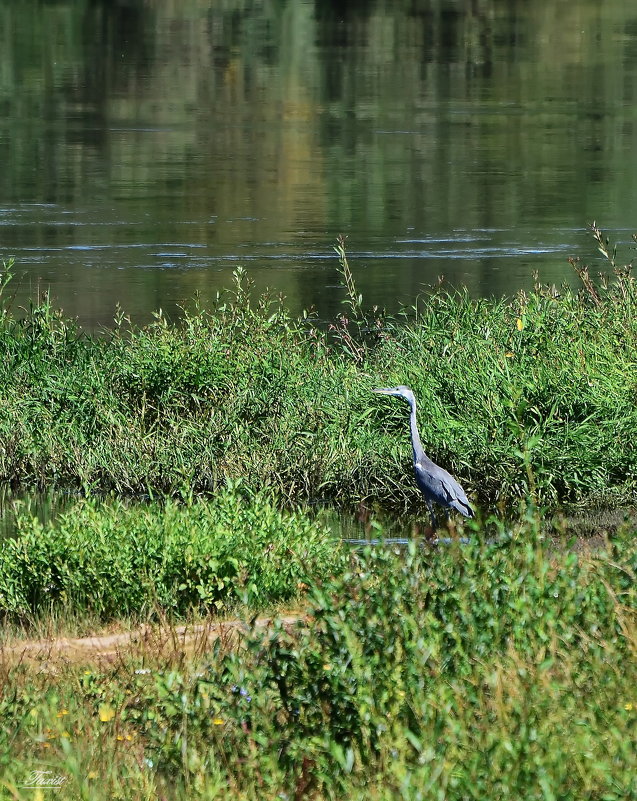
(158, 641)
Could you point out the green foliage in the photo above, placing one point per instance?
(112, 560)
(408, 646)
(533, 396)
(502, 670)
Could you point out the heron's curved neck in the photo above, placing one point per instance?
(415, 436)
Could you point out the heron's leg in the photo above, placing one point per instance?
(434, 522)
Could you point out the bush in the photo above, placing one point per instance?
(111, 559)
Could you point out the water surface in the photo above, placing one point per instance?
(148, 149)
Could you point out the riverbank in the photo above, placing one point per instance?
(482, 671)
(532, 396)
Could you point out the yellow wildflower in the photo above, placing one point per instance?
(106, 712)
(519, 324)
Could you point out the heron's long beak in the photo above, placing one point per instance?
(384, 391)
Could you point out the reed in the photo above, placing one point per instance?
(532, 396)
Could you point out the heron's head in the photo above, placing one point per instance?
(399, 392)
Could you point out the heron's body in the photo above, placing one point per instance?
(435, 483)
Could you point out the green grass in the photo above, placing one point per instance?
(109, 560)
(502, 670)
(531, 396)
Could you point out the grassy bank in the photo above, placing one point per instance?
(490, 671)
(531, 396)
(100, 561)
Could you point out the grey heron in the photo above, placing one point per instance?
(435, 483)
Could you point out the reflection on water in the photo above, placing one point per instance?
(149, 149)
(383, 528)
(42, 506)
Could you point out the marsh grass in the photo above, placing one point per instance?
(530, 396)
(503, 670)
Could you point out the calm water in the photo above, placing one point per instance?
(147, 149)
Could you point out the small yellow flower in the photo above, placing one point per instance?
(628, 707)
(509, 354)
(519, 324)
(65, 734)
(327, 667)
(218, 721)
(62, 713)
(92, 774)
(106, 712)
(120, 737)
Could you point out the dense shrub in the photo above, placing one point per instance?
(111, 559)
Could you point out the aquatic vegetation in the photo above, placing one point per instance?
(532, 396)
(488, 671)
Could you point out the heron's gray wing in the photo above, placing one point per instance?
(442, 487)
